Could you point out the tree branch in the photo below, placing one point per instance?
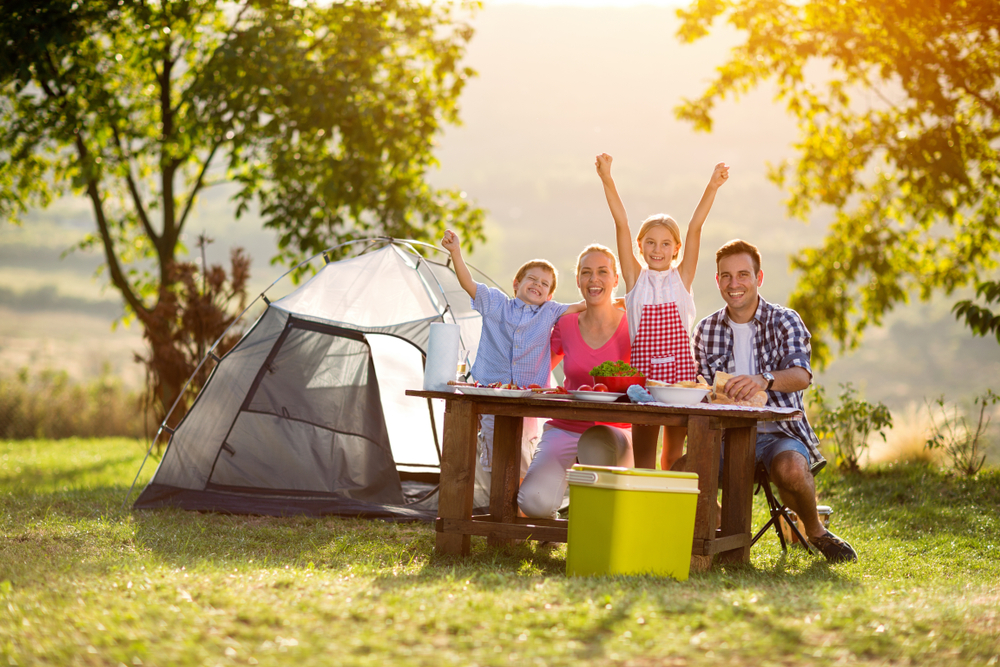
(133, 189)
(114, 268)
(197, 186)
(230, 33)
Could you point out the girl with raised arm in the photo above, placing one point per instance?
(659, 302)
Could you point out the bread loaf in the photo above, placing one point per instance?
(719, 395)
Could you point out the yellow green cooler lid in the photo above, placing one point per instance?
(633, 479)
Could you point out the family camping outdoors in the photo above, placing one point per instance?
(762, 349)
(330, 335)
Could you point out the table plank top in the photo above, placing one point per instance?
(592, 410)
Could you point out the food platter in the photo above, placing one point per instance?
(494, 391)
(553, 396)
(602, 396)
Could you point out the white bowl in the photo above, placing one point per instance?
(601, 396)
(677, 395)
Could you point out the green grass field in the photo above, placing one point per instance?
(83, 582)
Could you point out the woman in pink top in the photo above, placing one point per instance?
(582, 340)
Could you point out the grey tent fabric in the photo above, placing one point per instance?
(307, 413)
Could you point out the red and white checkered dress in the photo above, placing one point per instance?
(662, 347)
(661, 312)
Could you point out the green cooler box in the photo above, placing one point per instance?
(629, 521)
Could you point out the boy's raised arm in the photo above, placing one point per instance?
(692, 242)
(623, 235)
(452, 245)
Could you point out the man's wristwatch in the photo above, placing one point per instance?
(770, 379)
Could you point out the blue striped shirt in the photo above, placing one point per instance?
(514, 346)
(781, 340)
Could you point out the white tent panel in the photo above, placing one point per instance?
(398, 367)
(373, 290)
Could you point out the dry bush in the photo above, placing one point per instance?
(186, 322)
(905, 441)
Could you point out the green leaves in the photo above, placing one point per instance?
(849, 425)
(981, 320)
(899, 130)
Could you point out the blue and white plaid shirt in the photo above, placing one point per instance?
(781, 340)
(514, 346)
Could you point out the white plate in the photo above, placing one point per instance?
(493, 391)
(603, 396)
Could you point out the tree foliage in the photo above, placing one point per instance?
(980, 319)
(323, 114)
(898, 108)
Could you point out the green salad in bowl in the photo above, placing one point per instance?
(617, 376)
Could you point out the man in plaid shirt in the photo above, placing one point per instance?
(767, 347)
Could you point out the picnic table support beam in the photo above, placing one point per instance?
(737, 478)
(458, 467)
(506, 475)
(703, 458)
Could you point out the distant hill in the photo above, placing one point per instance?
(556, 86)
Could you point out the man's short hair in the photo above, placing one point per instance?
(738, 247)
(538, 264)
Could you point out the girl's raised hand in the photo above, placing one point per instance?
(720, 175)
(603, 165)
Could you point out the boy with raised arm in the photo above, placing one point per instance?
(514, 346)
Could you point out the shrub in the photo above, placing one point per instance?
(849, 425)
(48, 404)
(951, 432)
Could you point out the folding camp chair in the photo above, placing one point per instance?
(777, 510)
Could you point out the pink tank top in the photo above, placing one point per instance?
(580, 358)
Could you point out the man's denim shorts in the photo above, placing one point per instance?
(770, 445)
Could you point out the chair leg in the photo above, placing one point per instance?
(777, 509)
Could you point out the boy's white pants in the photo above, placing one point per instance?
(529, 441)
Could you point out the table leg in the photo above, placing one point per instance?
(737, 489)
(703, 458)
(507, 432)
(458, 473)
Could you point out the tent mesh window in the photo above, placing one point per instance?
(314, 395)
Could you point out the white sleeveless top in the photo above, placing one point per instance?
(656, 287)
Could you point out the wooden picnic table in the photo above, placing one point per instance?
(705, 423)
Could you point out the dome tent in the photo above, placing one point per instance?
(307, 413)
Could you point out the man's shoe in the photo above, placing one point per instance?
(834, 549)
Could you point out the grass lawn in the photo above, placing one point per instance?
(84, 582)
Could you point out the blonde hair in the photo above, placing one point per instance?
(538, 264)
(597, 247)
(660, 220)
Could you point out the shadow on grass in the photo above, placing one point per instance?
(911, 502)
(906, 502)
(31, 477)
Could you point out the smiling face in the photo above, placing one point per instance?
(597, 277)
(535, 287)
(739, 285)
(659, 248)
